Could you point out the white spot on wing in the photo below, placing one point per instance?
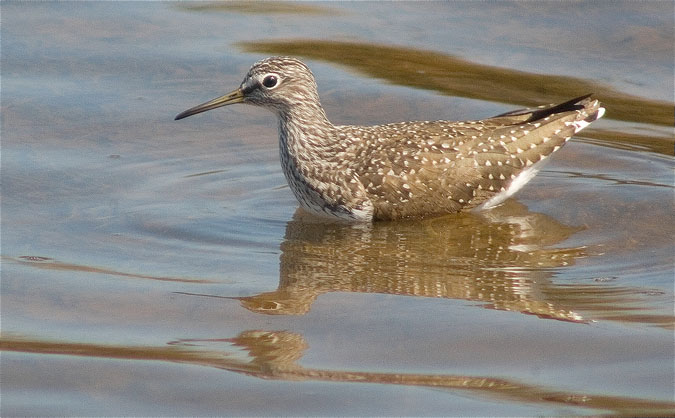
(518, 182)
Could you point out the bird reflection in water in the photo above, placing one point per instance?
(276, 355)
(502, 257)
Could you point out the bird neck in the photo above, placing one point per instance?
(306, 134)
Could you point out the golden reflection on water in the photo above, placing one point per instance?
(51, 264)
(275, 354)
(454, 76)
(261, 7)
(505, 259)
(633, 142)
(498, 258)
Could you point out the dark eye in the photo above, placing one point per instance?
(270, 81)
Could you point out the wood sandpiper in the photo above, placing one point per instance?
(406, 169)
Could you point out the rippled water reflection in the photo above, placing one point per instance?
(151, 267)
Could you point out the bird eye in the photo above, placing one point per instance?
(270, 81)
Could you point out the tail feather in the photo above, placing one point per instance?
(576, 104)
(537, 134)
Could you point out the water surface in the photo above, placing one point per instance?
(154, 267)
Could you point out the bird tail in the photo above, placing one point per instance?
(588, 109)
